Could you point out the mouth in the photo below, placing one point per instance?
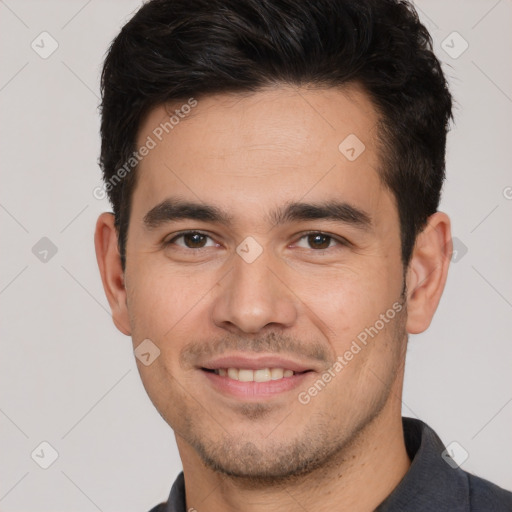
(259, 375)
(254, 379)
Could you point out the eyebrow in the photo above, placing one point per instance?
(172, 209)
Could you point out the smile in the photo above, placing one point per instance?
(254, 385)
(260, 375)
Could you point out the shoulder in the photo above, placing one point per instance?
(176, 501)
(488, 497)
(159, 508)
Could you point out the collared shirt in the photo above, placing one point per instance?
(433, 483)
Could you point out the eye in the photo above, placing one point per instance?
(191, 240)
(315, 240)
(320, 241)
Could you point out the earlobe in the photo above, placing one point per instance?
(112, 275)
(427, 272)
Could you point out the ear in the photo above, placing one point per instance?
(112, 275)
(427, 272)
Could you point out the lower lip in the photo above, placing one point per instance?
(255, 390)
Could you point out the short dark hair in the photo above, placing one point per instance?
(177, 49)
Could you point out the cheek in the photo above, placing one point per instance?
(164, 308)
(347, 303)
(159, 299)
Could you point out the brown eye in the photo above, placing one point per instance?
(191, 240)
(318, 241)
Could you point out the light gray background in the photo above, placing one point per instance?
(68, 376)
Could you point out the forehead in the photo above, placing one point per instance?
(274, 145)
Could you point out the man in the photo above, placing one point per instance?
(275, 169)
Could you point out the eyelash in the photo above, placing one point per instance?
(339, 240)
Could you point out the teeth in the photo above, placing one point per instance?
(261, 375)
(276, 373)
(233, 373)
(245, 375)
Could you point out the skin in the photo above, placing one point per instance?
(249, 154)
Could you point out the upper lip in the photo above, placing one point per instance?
(256, 363)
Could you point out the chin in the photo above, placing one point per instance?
(272, 465)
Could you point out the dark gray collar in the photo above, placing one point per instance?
(431, 483)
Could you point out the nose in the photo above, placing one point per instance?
(254, 296)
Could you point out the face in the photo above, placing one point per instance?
(288, 262)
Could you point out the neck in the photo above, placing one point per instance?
(357, 480)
